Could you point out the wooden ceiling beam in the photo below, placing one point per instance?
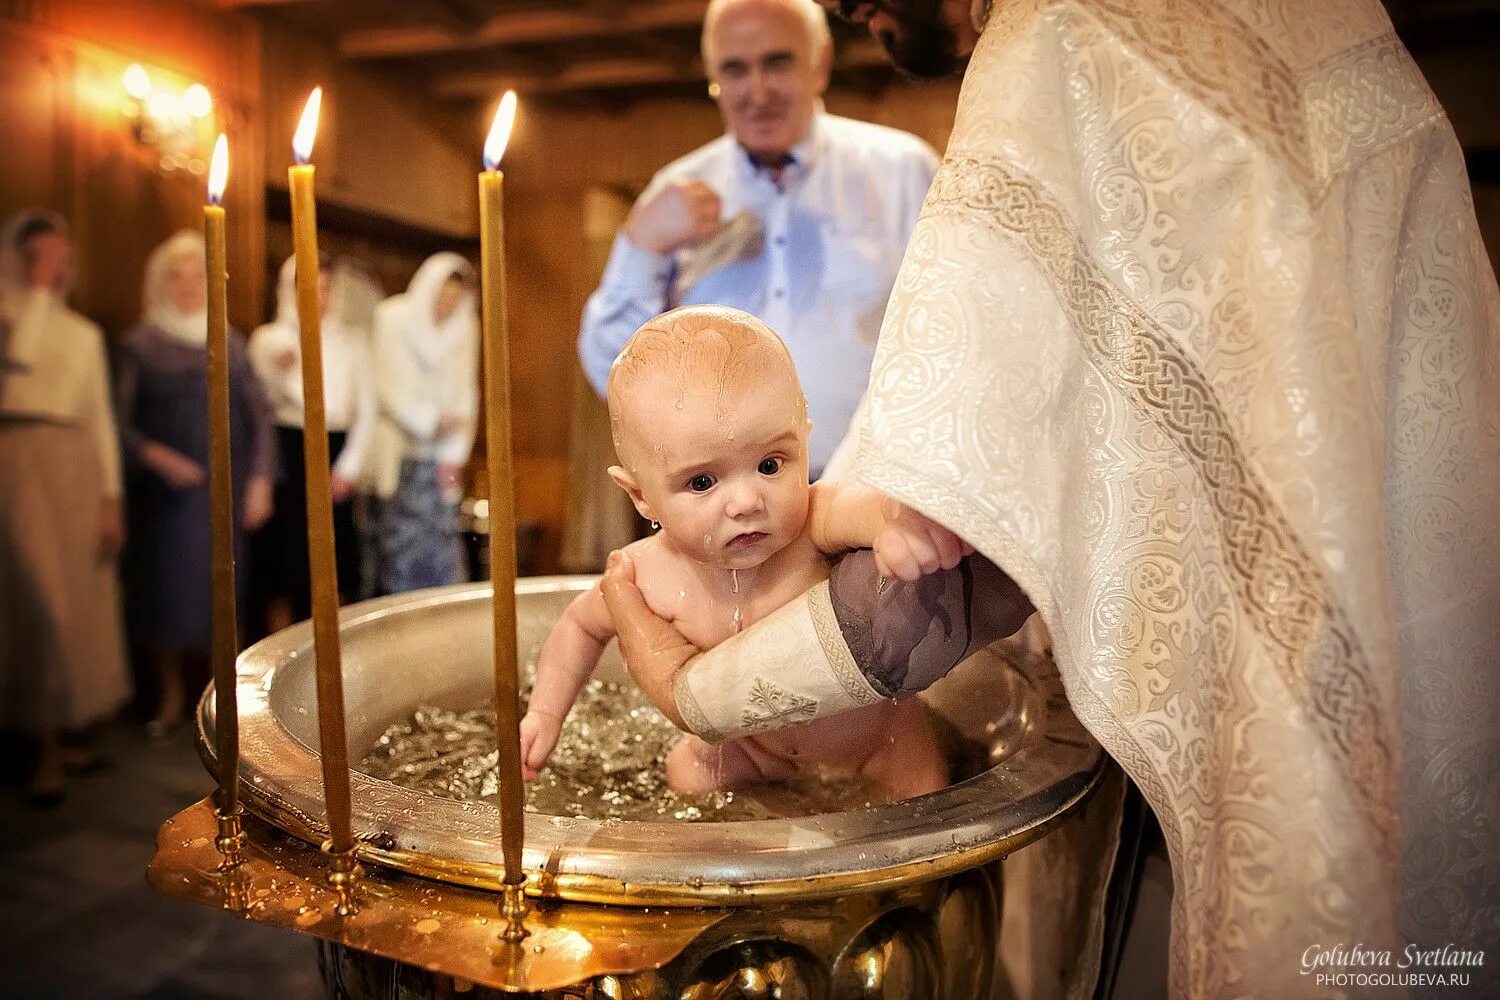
(245, 4)
(603, 74)
(522, 27)
(616, 74)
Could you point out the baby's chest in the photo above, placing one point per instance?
(707, 617)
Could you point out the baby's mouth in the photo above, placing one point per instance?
(748, 539)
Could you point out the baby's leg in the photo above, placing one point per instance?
(695, 767)
(909, 762)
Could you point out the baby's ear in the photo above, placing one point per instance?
(626, 482)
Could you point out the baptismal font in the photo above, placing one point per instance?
(433, 894)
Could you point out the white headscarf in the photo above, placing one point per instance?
(430, 340)
(157, 308)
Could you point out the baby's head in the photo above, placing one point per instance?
(710, 426)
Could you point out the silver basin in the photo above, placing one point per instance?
(432, 647)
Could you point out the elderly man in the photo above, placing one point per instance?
(1197, 342)
(795, 215)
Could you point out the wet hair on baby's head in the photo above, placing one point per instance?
(696, 347)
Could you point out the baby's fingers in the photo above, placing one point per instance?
(950, 548)
(895, 556)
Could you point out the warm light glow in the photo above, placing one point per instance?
(161, 106)
(197, 101)
(218, 170)
(505, 119)
(307, 128)
(137, 81)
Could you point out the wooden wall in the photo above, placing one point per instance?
(67, 145)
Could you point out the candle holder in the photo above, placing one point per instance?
(230, 841)
(513, 909)
(343, 876)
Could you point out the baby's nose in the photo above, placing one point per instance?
(743, 500)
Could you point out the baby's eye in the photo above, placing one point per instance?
(771, 466)
(701, 483)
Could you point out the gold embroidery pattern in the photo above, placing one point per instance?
(1275, 580)
(831, 639)
(1361, 102)
(772, 707)
(1222, 61)
(1319, 124)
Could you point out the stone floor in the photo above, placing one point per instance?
(76, 916)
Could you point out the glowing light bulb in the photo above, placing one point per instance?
(137, 81)
(197, 101)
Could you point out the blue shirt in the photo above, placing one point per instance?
(835, 226)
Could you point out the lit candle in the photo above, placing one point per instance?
(502, 503)
(221, 491)
(320, 554)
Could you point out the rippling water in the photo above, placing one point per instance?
(609, 764)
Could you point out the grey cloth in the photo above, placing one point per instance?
(905, 636)
(161, 395)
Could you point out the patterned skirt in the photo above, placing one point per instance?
(417, 537)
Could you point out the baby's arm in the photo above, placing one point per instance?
(907, 544)
(568, 657)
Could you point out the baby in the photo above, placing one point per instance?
(711, 427)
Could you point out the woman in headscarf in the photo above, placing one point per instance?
(280, 548)
(161, 391)
(61, 657)
(427, 384)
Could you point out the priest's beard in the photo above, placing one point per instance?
(923, 44)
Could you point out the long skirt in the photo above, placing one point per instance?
(417, 540)
(278, 552)
(62, 663)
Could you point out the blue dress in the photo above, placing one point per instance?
(161, 395)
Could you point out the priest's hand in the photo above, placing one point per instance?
(653, 649)
(340, 488)
(259, 502)
(682, 212)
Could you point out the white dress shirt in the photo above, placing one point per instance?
(833, 229)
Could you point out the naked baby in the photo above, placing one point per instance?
(711, 427)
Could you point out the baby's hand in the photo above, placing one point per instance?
(538, 738)
(910, 545)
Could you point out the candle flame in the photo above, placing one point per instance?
(307, 128)
(505, 119)
(218, 170)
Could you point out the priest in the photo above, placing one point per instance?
(1197, 343)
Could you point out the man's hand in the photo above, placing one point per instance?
(539, 733)
(683, 212)
(652, 648)
(111, 529)
(259, 502)
(450, 477)
(340, 488)
(911, 545)
(175, 469)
